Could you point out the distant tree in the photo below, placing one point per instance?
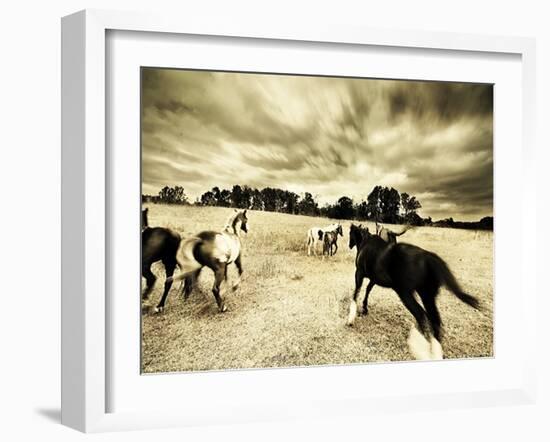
(269, 198)
(290, 202)
(389, 205)
(208, 199)
(216, 192)
(307, 205)
(374, 202)
(257, 202)
(280, 197)
(343, 209)
(165, 194)
(446, 222)
(173, 195)
(414, 219)
(224, 198)
(247, 195)
(361, 211)
(238, 197)
(410, 205)
(486, 223)
(405, 197)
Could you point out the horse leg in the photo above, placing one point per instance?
(335, 248)
(420, 336)
(366, 300)
(239, 265)
(428, 299)
(150, 279)
(169, 266)
(219, 275)
(353, 305)
(190, 282)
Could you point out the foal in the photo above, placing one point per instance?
(405, 269)
(330, 240)
(215, 250)
(315, 235)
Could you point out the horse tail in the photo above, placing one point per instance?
(186, 260)
(445, 276)
(406, 228)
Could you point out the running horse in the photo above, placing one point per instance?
(405, 268)
(316, 235)
(157, 244)
(215, 250)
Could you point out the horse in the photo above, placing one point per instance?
(315, 235)
(405, 268)
(388, 235)
(158, 244)
(330, 239)
(215, 250)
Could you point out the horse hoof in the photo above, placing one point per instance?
(352, 313)
(159, 309)
(223, 309)
(436, 350)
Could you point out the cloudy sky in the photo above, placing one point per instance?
(328, 136)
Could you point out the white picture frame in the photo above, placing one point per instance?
(85, 236)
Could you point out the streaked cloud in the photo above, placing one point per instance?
(329, 136)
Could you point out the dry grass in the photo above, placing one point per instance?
(291, 309)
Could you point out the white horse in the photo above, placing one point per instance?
(315, 235)
(213, 249)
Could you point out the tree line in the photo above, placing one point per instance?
(383, 204)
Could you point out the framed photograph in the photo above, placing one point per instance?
(276, 222)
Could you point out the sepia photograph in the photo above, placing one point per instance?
(293, 221)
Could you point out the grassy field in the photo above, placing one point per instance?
(291, 309)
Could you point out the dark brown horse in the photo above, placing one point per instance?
(405, 268)
(330, 243)
(215, 250)
(158, 244)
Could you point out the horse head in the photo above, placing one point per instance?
(340, 230)
(357, 234)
